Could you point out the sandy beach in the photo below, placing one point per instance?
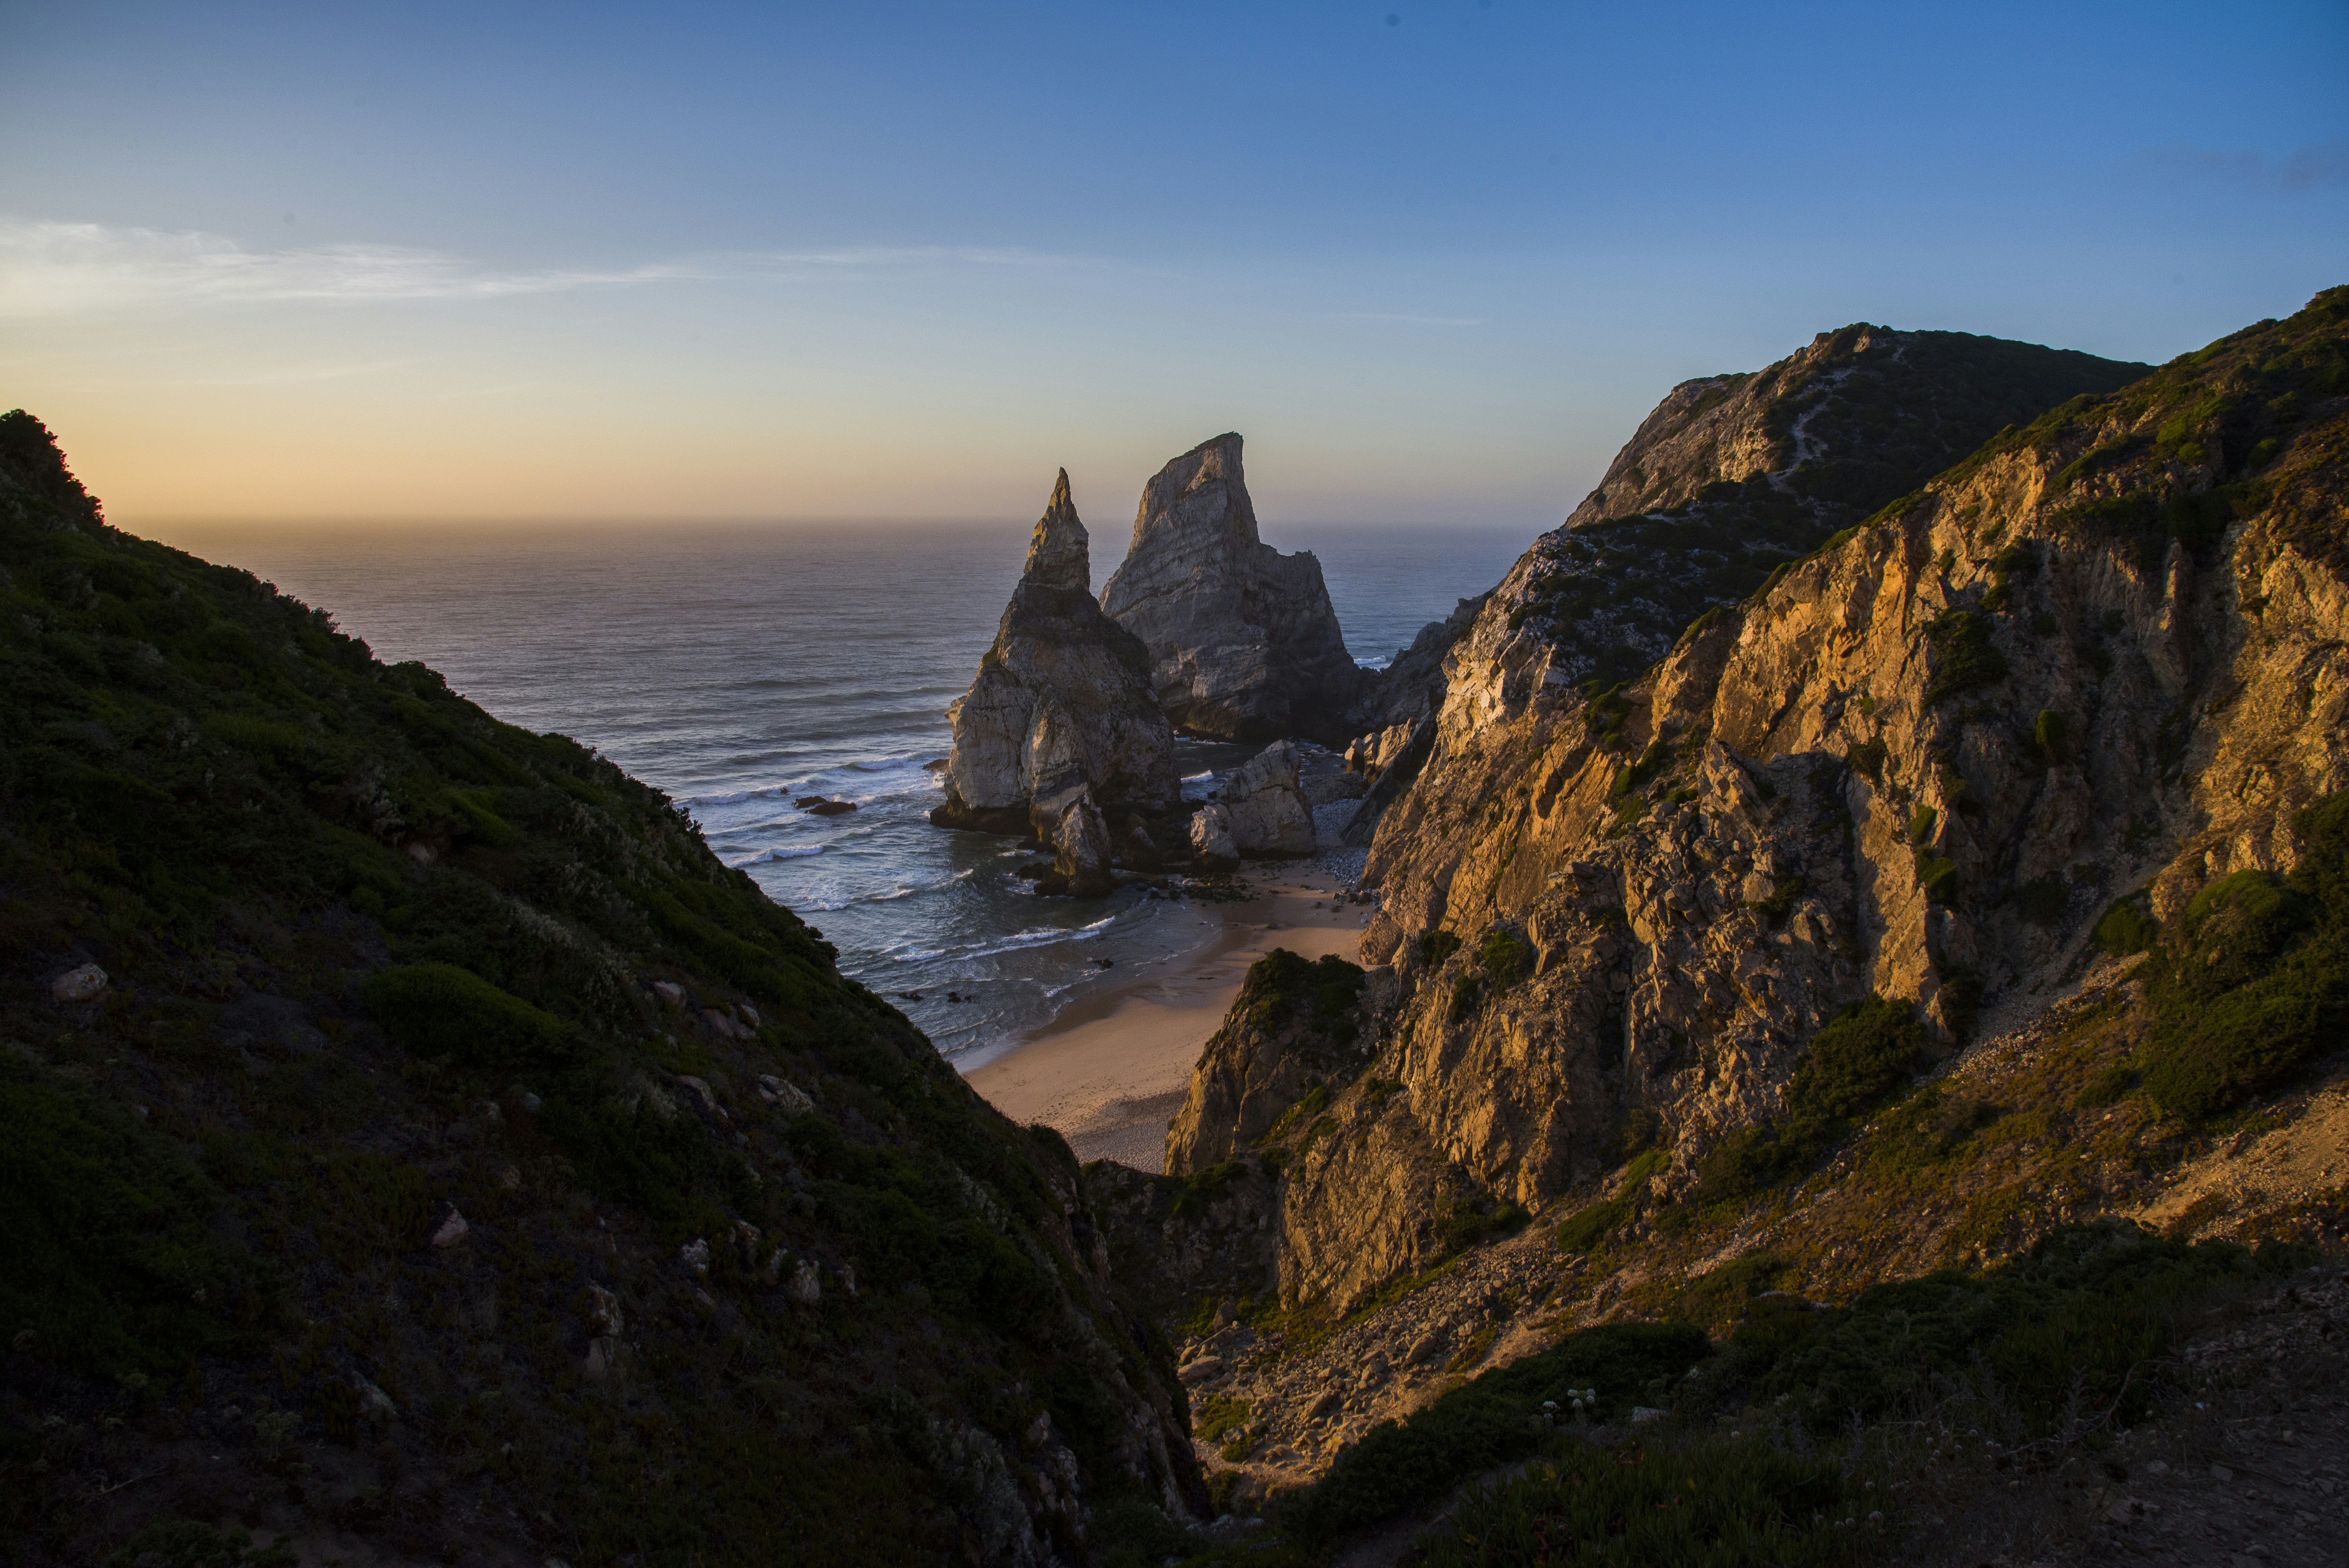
(1109, 1073)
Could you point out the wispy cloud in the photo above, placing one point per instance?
(301, 375)
(2320, 163)
(1417, 320)
(50, 269)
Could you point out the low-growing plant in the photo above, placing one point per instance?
(1715, 1502)
(442, 1010)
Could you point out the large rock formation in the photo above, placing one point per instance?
(1243, 642)
(1730, 478)
(2104, 653)
(1062, 701)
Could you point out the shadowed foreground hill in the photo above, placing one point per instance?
(448, 1159)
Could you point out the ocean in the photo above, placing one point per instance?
(741, 667)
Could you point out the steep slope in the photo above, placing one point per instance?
(1729, 478)
(414, 1141)
(1244, 644)
(2104, 653)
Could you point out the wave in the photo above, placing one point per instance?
(794, 852)
(1034, 937)
(892, 896)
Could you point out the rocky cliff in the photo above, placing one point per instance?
(1059, 725)
(415, 1144)
(1730, 478)
(2101, 655)
(1243, 642)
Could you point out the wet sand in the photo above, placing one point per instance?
(1110, 1072)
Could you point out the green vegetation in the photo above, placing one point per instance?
(2047, 734)
(1318, 994)
(1713, 1503)
(1491, 1421)
(105, 1255)
(2255, 979)
(1506, 956)
(377, 955)
(1964, 657)
(2083, 1310)
(1857, 1059)
(2127, 928)
(440, 1010)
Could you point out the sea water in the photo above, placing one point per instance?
(743, 668)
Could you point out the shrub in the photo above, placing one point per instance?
(1493, 1421)
(1582, 1231)
(1752, 1157)
(2083, 1308)
(2235, 930)
(442, 1010)
(1866, 1052)
(2126, 928)
(2206, 1056)
(1964, 658)
(1436, 947)
(1506, 956)
(2047, 734)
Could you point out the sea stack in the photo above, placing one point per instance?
(1060, 714)
(1243, 642)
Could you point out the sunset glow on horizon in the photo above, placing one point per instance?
(264, 264)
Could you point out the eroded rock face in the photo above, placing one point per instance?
(1062, 699)
(1729, 478)
(1243, 642)
(1920, 765)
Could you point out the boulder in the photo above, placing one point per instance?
(1211, 837)
(1072, 824)
(1243, 643)
(451, 1231)
(1062, 700)
(78, 985)
(1269, 813)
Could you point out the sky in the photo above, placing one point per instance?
(325, 263)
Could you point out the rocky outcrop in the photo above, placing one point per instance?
(1062, 701)
(2105, 652)
(1293, 1031)
(1261, 811)
(1730, 478)
(1243, 642)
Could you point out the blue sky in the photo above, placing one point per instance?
(327, 262)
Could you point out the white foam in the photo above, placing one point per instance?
(794, 852)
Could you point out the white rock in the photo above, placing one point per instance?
(671, 992)
(374, 1401)
(1647, 1413)
(451, 1231)
(806, 1286)
(694, 1255)
(1211, 836)
(78, 985)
